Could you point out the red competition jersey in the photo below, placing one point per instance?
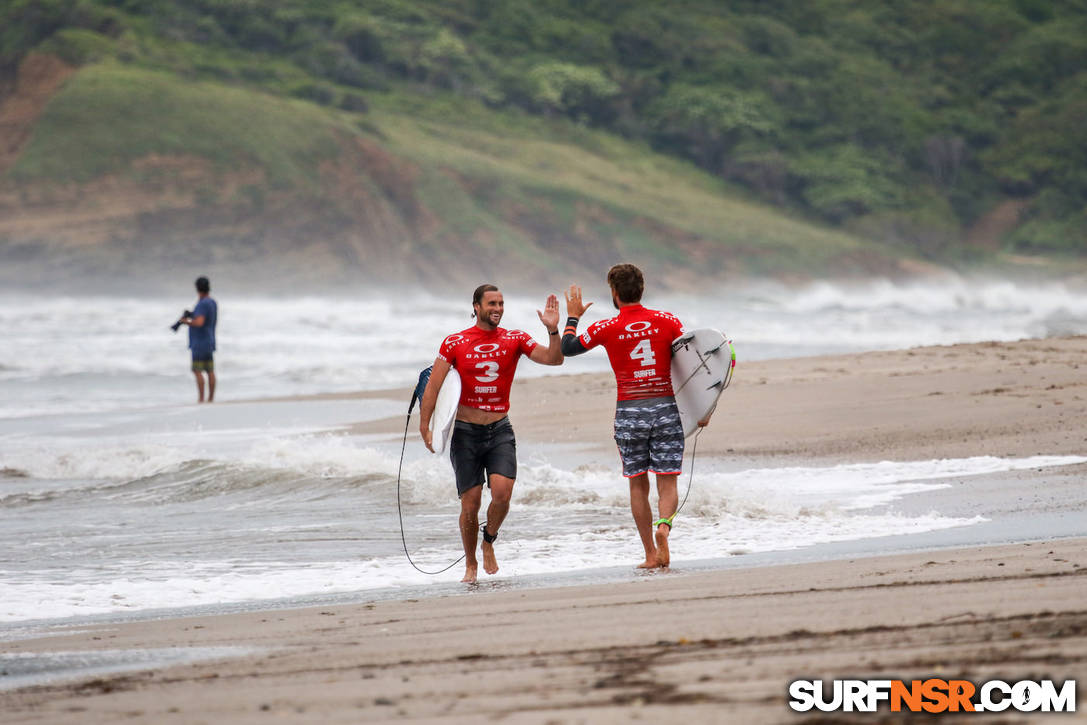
(639, 345)
(486, 361)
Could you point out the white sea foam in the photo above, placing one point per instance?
(562, 520)
(771, 321)
(144, 585)
(314, 455)
(48, 461)
(762, 492)
(426, 478)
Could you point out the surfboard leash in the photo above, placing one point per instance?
(417, 395)
(690, 479)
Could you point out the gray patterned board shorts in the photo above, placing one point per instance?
(649, 435)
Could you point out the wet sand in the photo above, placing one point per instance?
(691, 646)
(694, 648)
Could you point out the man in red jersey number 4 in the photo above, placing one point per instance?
(648, 431)
(483, 447)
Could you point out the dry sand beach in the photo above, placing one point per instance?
(691, 646)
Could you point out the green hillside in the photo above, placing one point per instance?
(747, 137)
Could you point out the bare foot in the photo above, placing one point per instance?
(649, 563)
(469, 574)
(663, 556)
(490, 564)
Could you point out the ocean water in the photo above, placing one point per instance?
(85, 354)
(118, 494)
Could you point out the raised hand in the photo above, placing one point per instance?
(550, 314)
(574, 306)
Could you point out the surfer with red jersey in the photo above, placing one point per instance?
(483, 447)
(648, 431)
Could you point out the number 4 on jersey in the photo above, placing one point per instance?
(644, 352)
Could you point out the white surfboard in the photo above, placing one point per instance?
(445, 411)
(702, 364)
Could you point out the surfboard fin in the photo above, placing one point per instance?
(682, 341)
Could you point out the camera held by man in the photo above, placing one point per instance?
(187, 314)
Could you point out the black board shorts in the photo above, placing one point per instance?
(475, 448)
(202, 362)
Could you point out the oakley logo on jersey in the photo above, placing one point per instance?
(641, 333)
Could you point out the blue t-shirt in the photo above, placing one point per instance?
(202, 339)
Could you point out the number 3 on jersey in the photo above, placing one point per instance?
(644, 352)
(491, 374)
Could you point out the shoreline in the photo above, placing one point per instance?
(716, 635)
(875, 547)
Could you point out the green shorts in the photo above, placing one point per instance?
(204, 364)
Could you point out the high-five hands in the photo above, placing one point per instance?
(550, 314)
(574, 306)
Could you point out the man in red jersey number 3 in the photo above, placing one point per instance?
(483, 447)
(648, 431)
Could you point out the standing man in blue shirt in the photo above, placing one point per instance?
(201, 324)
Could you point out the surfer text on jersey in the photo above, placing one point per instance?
(486, 361)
